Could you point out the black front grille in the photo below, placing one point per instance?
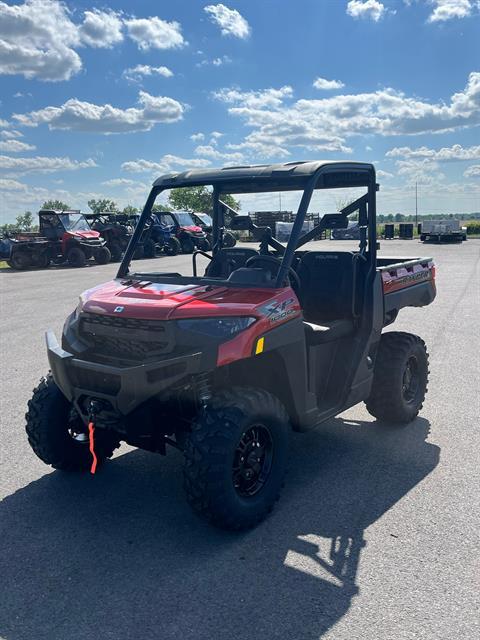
(94, 319)
(126, 338)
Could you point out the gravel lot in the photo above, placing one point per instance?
(376, 534)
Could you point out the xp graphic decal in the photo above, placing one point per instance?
(279, 310)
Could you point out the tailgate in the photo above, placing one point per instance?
(406, 273)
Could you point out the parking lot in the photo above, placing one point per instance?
(375, 536)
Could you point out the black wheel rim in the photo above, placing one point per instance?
(253, 460)
(411, 380)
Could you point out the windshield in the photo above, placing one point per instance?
(173, 255)
(205, 218)
(74, 222)
(184, 219)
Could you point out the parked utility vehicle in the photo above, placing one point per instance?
(115, 229)
(204, 220)
(63, 236)
(224, 365)
(190, 235)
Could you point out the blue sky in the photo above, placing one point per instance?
(99, 99)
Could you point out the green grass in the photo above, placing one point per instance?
(3, 265)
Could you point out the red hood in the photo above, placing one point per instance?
(148, 300)
(87, 235)
(192, 227)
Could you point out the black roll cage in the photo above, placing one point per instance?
(329, 175)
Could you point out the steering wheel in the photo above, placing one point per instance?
(276, 262)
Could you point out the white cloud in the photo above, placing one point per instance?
(119, 182)
(278, 124)
(12, 133)
(327, 85)
(167, 163)
(445, 154)
(4, 123)
(268, 98)
(154, 33)
(16, 146)
(230, 21)
(366, 9)
(216, 62)
(473, 171)
(101, 29)
(135, 74)
(37, 40)
(42, 164)
(384, 174)
(10, 185)
(447, 9)
(76, 115)
(212, 152)
(197, 137)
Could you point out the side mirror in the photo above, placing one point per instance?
(334, 221)
(241, 223)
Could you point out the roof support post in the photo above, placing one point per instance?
(218, 221)
(132, 245)
(296, 230)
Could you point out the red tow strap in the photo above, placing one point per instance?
(91, 440)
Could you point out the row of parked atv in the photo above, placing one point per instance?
(73, 238)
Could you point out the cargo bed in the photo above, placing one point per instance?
(406, 282)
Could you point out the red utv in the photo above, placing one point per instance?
(190, 235)
(63, 237)
(223, 366)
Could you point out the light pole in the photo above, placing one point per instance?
(416, 205)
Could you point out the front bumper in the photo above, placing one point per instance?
(125, 388)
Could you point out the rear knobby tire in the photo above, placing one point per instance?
(400, 378)
(48, 420)
(212, 457)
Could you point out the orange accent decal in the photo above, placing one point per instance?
(91, 440)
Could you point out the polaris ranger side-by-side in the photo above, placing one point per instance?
(63, 237)
(190, 235)
(223, 366)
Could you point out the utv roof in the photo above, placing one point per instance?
(58, 211)
(274, 177)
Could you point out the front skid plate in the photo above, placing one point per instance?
(124, 387)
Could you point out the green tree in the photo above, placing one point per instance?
(197, 199)
(129, 210)
(25, 222)
(160, 208)
(8, 227)
(102, 204)
(57, 205)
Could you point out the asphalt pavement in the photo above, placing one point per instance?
(376, 535)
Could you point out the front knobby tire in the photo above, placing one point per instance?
(76, 258)
(236, 457)
(400, 378)
(57, 435)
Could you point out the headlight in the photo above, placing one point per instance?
(217, 327)
(81, 302)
